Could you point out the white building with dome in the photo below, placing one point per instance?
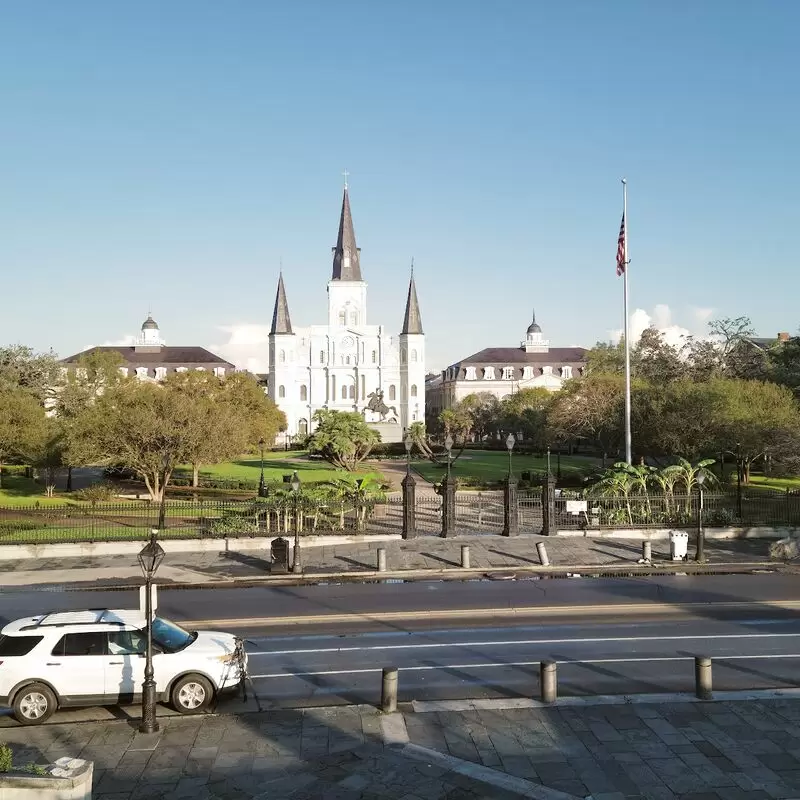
(149, 358)
(502, 371)
(348, 364)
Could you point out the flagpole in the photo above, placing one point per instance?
(627, 331)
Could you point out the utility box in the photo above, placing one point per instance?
(678, 545)
(279, 555)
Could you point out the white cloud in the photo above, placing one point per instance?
(247, 346)
(661, 320)
(124, 341)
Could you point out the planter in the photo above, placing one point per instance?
(67, 779)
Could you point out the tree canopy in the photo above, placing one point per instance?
(342, 438)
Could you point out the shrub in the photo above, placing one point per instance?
(6, 758)
(97, 492)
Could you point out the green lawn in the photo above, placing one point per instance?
(492, 465)
(276, 465)
(20, 491)
(768, 482)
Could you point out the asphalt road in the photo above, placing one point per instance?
(608, 636)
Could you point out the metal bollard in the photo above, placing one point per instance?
(381, 559)
(702, 678)
(647, 551)
(548, 681)
(389, 690)
(465, 556)
(542, 551)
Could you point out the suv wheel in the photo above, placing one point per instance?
(191, 694)
(34, 704)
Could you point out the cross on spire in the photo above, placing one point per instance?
(345, 175)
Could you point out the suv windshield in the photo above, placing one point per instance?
(171, 637)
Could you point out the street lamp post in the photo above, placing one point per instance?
(700, 552)
(448, 491)
(548, 459)
(297, 563)
(262, 487)
(448, 446)
(408, 441)
(510, 512)
(150, 557)
(739, 480)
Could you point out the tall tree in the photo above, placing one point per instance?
(591, 408)
(342, 438)
(483, 409)
(95, 373)
(525, 412)
(21, 420)
(785, 364)
(741, 358)
(259, 415)
(655, 359)
(145, 427)
(606, 358)
(23, 367)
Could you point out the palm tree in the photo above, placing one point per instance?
(686, 473)
(666, 481)
(361, 493)
(617, 483)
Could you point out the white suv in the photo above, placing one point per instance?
(97, 657)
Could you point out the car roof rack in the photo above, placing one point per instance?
(62, 619)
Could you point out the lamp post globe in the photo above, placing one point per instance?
(150, 558)
(510, 442)
(448, 446)
(408, 441)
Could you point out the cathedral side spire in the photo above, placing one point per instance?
(412, 322)
(346, 256)
(281, 322)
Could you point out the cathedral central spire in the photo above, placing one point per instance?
(281, 322)
(346, 256)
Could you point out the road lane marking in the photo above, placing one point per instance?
(518, 642)
(480, 613)
(428, 668)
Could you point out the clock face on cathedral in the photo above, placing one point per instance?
(348, 342)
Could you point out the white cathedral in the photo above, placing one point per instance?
(348, 365)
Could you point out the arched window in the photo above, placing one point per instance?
(352, 391)
(414, 390)
(347, 360)
(354, 317)
(413, 355)
(281, 391)
(392, 392)
(282, 357)
(302, 427)
(321, 356)
(344, 393)
(403, 356)
(374, 356)
(342, 317)
(304, 393)
(333, 387)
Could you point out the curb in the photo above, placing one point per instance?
(454, 573)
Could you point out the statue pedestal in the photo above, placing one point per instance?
(389, 431)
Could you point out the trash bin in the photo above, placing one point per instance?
(678, 545)
(279, 555)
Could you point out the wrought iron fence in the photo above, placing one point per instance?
(475, 512)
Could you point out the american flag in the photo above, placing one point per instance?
(621, 248)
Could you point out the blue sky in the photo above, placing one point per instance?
(168, 155)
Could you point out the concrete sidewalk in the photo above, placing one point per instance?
(426, 555)
(678, 750)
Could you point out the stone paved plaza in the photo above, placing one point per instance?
(426, 553)
(725, 750)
